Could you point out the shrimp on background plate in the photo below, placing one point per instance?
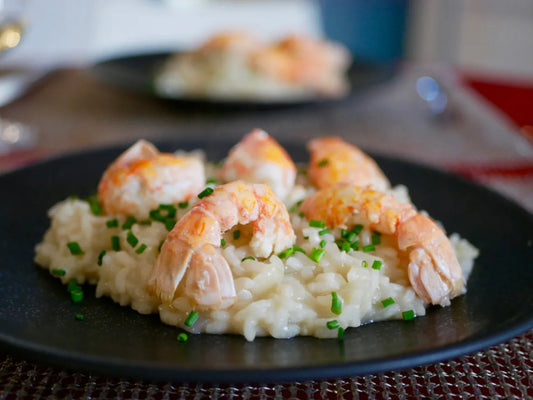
(433, 268)
(190, 249)
(259, 158)
(142, 178)
(332, 161)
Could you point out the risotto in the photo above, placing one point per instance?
(329, 279)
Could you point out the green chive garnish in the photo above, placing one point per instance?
(141, 249)
(286, 253)
(317, 224)
(76, 295)
(170, 210)
(236, 234)
(94, 204)
(79, 317)
(206, 192)
(376, 238)
(297, 248)
(324, 231)
(369, 247)
(222, 242)
(145, 222)
(377, 264)
(183, 204)
(169, 224)
(301, 214)
(129, 223)
(357, 229)
(112, 223)
(387, 302)
(350, 237)
(336, 304)
(322, 163)
(211, 181)
(364, 263)
(73, 285)
(340, 333)
(75, 248)
(322, 243)
(191, 319)
(101, 257)
(295, 206)
(182, 337)
(345, 247)
(115, 243)
(248, 258)
(333, 324)
(132, 239)
(317, 254)
(344, 233)
(59, 272)
(407, 315)
(355, 245)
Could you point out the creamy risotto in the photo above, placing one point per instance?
(328, 280)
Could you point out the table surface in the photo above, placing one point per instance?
(73, 111)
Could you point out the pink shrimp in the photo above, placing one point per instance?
(190, 249)
(433, 269)
(142, 178)
(332, 161)
(258, 158)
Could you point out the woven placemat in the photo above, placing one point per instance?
(504, 371)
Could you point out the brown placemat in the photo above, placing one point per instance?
(504, 371)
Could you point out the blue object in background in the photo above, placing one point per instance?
(372, 29)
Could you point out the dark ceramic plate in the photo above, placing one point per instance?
(136, 73)
(37, 317)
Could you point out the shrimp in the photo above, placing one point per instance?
(142, 178)
(258, 158)
(192, 244)
(433, 268)
(304, 61)
(332, 161)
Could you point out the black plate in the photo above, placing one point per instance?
(37, 317)
(136, 73)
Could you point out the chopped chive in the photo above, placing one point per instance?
(322, 243)
(115, 243)
(296, 206)
(297, 248)
(145, 222)
(364, 263)
(79, 317)
(236, 234)
(211, 181)
(169, 224)
(76, 295)
(301, 214)
(73, 285)
(306, 237)
(350, 237)
(407, 315)
(59, 272)
(317, 254)
(377, 264)
(322, 163)
(206, 192)
(183, 204)
(101, 257)
(141, 249)
(160, 245)
(286, 253)
(387, 302)
(340, 333)
(339, 243)
(156, 215)
(129, 223)
(333, 324)
(324, 231)
(169, 208)
(317, 224)
(376, 238)
(112, 223)
(248, 258)
(75, 248)
(163, 213)
(355, 245)
(94, 204)
(191, 319)
(345, 247)
(357, 229)
(344, 233)
(222, 242)
(132, 239)
(182, 337)
(336, 304)
(369, 247)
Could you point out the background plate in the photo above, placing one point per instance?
(136, 74)
(37, 316)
